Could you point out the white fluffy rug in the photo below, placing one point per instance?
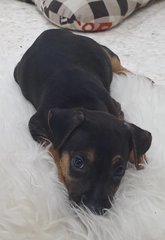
(33, 204)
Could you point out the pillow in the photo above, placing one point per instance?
(88, 15)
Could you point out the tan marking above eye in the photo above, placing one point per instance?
(115, 159)
(91, 155)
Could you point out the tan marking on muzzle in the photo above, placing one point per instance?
(115, 159)
(91, 155)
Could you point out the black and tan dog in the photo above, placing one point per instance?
(67, 78)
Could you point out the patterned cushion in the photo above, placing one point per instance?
(88, 15)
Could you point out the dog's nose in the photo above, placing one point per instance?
(97, 207)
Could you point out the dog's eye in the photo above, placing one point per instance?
(78, 162)
(118, 167)
(119, 171)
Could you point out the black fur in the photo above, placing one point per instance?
(67, 78)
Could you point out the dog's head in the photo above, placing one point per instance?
(91, 150)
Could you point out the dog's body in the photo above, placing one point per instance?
(67, 78)
(82, 65)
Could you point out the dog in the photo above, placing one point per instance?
(67, 78)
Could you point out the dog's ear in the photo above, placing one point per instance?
(140, 142)
(62, 123)
(38, 130)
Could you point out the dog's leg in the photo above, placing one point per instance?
(115, 62)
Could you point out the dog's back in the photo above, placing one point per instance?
(54, 53)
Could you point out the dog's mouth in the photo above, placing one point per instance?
(98, 207)
(90, 208)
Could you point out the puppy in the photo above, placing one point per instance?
(67, 78)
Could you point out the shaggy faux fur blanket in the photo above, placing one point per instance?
(33, 204)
